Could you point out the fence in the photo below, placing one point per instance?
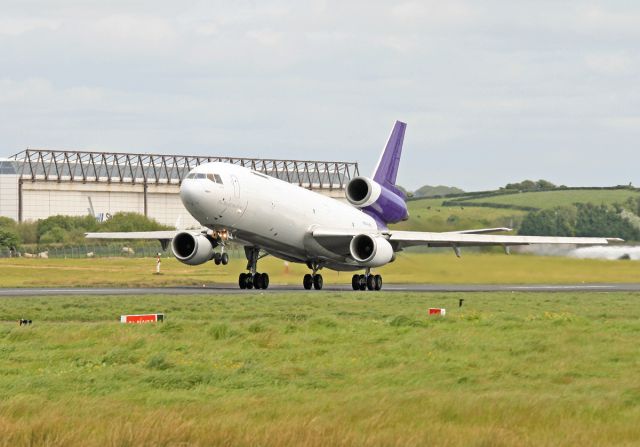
(113, 250)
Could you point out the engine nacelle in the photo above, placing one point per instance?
(371, 251)
(370, 196)
(192, 249)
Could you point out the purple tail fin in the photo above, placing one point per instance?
(386, 170)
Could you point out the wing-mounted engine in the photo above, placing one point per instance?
(373, 198)
(192, 249)
(370, 250)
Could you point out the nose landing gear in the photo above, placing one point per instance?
(253, 279)
(366, 281)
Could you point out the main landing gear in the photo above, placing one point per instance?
(315, 279)
(253, 279)
(221, 258)
(366, 281)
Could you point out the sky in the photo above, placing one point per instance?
(493, 91)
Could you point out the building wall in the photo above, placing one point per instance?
(9, 196)
(42, 199)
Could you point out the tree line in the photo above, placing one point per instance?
(586, 220)
(69, 230)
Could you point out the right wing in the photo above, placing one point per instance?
(159, 235)
(163, 236)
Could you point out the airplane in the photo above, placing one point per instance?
(269, 216)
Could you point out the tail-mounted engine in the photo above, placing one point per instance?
(192, 249)
(370, 196)
(371, 251)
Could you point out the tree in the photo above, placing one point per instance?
(131, 222)
(8, 238)
(603, 221)
(550, 222)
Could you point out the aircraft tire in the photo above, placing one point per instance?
(257, 281)
(242, 280)
(371, 282)
(249, 281)
(224, 258)
(265, 281)
(318, 282)
(362, 282)
(378, 285)
(355, 282)
(307, 281)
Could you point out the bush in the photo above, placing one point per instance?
(131, 222)
(8, 238)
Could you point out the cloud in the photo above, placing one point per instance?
(493, 91)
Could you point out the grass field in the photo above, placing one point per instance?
(552, 199)
(311, 369)
(430, 215)
(440, 267)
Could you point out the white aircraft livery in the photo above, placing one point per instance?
(269, 216)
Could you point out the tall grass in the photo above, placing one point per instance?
(322, 369)
(439, 267)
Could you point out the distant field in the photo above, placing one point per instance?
(437, 267)
(316, 369)
(430, 215)
(551, 199)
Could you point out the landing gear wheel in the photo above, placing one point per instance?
(224, 258)
(317, 282)
(307, 281)
(265, 281)
(355, 282)
(378, 282)
(362, 282)
(257, 281)
(371, 282)
(249, 281)
(242, 280)
(216, 258)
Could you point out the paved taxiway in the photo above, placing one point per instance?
(231, 289)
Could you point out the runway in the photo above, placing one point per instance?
(229, 289)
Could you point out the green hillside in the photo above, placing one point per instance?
(430, 215)
(552, 199)
(461, 213)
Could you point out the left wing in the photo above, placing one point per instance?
(338, 239)
(411, 238)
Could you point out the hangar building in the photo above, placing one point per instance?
(37, 183)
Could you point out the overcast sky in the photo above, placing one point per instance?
(492, 91)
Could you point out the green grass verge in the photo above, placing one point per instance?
(317, 369)
(441, 267)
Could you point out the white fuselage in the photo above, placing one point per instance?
(269, 213)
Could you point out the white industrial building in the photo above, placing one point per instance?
(36, 183)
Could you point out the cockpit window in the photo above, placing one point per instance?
(218, 179)
(201, 176)
(192, 175)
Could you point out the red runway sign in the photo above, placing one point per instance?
(145, 318)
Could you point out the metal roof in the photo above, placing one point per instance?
(114, 167)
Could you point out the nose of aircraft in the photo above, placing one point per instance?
(191, 194)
